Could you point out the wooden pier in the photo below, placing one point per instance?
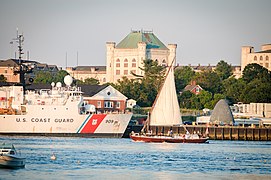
(215, 133)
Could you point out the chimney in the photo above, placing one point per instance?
(193, 83)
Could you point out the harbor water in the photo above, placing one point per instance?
(105, 158)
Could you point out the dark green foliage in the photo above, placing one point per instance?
(185, 99)
(90, 81)
(183, 76)
(59, 77)
(257, 91)
(45, 77)
(256, 71)
(209, 81)
(233, 88)
(3, 78)
(258, 84)
(143, 89)
(223, 70)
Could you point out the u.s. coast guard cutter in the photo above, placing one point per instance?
(59, 111)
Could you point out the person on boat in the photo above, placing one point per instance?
(187, 135)
(171, 133)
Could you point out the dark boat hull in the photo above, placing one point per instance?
(161, 139)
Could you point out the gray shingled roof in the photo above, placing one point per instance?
(91, 90)
(222, 113)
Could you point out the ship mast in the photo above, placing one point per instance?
(22, 68)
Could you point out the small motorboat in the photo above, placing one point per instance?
(9, 158)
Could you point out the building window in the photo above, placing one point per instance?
(125, 63)
(267, 65)
(6, 71)
(267, 58)
(164, 63)
(99, 104)
(197, 89)
(118, 105)
(104, 80)
(108, 104)
(125, 72)
(255, 58)
(133, 63)
(261, 58)
(117, 72)
(117, 63)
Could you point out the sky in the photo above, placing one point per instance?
(75, 32)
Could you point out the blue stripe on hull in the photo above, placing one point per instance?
(81, 127)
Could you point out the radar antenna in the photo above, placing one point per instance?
(22, 68)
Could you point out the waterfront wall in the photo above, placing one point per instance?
(220, 132)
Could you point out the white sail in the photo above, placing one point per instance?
(166, 110)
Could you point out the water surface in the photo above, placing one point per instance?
(102, 158)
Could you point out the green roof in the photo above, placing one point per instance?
(132, 39)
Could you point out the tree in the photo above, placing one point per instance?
(3, 78)
(232, 88)
(43, 77)
(257, 91)
(183, 76)
(59, 77)
(253, 71)
(143, 89)
(91, 81)
(216, 98)
(223, 70)
(185, 99)
(129, 87)
(205, 98)
(209, 81)
(195, 102)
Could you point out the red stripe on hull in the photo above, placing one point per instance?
(93, 123)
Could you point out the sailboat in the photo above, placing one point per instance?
(165, 111)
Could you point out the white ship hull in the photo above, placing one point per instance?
(60, 111)
(11, 161)
(93, 125)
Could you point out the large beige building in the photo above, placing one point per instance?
(84, 72)
(262, 57)
(127, 56)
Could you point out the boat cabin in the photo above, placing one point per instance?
(7, 149)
